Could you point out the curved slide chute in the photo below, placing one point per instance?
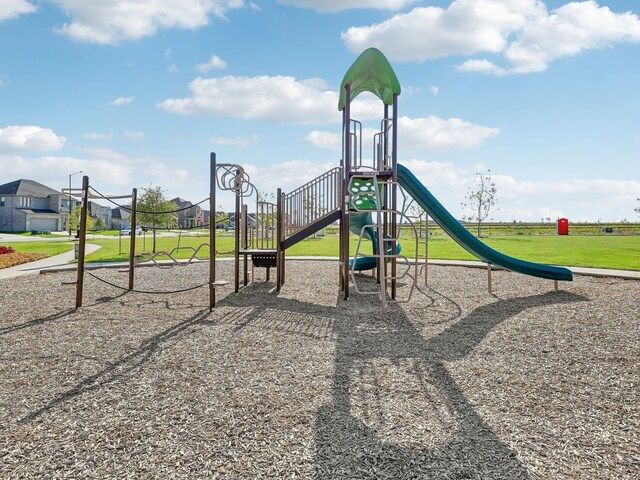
(358, 221)
(466, 239)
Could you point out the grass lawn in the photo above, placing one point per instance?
(47, 248)
(617, 252)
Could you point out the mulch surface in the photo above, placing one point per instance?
(524, 383)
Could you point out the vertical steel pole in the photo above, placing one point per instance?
(69, 217)
(82, 241)
(489, 276)
(245, 240)
(212, 231)
(236, 254)
(346, 173)
(132, 236)
(279, 225)
(426, 249)
(394, 197)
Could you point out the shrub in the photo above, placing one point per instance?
(6, 250)
(17, 258)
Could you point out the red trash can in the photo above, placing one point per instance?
(562, 226)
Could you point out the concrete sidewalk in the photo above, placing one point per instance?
(50, 263)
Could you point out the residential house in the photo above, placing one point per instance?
(120, 218)
(252, 220)
(98, 211)
(28, 205)
(190, 215)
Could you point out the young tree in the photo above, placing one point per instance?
(637, 210)
(481, 198)
(418, 213)
(74, 219)
(155, 210)
(99, 223)
(221, 217)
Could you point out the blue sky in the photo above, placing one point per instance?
(137, 93)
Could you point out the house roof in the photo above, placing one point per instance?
(40, 211)
(26, 188)
(181, 202)
(118, 212)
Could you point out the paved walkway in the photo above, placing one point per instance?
(50, 263)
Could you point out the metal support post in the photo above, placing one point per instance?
(82, 241)
(212, 232)
(132, 235)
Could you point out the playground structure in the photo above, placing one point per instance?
(370, 198)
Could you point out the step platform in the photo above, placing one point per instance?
(261, 258)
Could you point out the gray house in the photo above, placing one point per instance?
(120, 218)
(27, 205)
(98, 211)
(191, 216)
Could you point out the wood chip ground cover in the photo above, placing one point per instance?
(524, 383)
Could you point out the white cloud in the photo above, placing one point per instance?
(3, 80)
(336, 6)
(173, 68)
(328, 140)
(465, 27)
(14, 8)
(178, 180)
(523, 200)
(569, 30)
(28, 138)
(107, 176)
(434, 133)
(214, 63)
(481, 66)
(98, 136)
(105, 154)
(134, 135)
(278, 99)
(118, 102)
(286, 175)
(419, 134)
(434, 90)
(114, 21)
(110, 172)
(522, 31)
(235, 141)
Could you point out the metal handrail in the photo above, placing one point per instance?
(263, 235)
(312, 201)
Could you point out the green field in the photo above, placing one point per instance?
(600, 251)
(48, 248)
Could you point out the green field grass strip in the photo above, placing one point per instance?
(613, 252)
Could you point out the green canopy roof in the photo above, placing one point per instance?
(371, 72)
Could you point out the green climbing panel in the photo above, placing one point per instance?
(363, 196)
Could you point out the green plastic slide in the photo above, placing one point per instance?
(467, 240)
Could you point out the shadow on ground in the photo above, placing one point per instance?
(346, 447)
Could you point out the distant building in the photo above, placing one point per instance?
(190, 215)
(98, 211)
(120, 218)
(252, 220)
(28, 205)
